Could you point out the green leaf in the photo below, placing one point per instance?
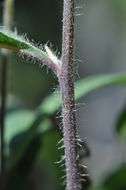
(92, 83)
(115, 181)
(29, 133)
(17, 122)
(49, 154)
(11, 40)
(18, 175)
(121, 123)
(22, 121)
(82, 88)
(119, 7)
(50, 105)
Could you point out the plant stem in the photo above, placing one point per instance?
(68, 103)
(8, 13)
(7, 22)
(3, 109)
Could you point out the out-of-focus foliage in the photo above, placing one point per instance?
(119, 7)
(32, 136)
(36, 120)
(24, 126)
(115, 181)
(121, 123)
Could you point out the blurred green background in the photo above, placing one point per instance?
(100, 47)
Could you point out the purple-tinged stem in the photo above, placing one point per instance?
(68, 105)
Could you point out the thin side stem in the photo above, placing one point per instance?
(8, 13)
(68, 102)
(3, 109)
(7, 22)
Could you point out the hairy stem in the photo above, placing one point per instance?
(7, 21)
(68, 104)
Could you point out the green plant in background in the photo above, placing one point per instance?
(37, 128)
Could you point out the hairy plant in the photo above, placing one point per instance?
(68, 102)
(64, 70)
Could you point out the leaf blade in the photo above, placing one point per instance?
(11, 40)
(82, 88)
